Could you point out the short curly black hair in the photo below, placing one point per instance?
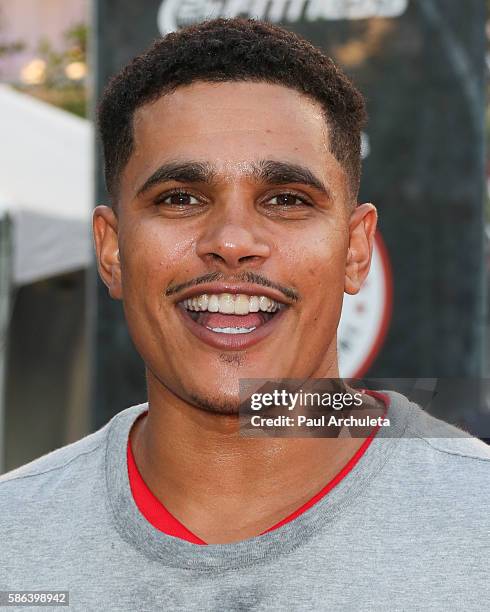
(221, 50)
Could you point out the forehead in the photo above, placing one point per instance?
(230, 125)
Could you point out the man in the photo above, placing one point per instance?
(232, 158)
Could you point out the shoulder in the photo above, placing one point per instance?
(447, 442)
(439, 467)
(432, 490)
(60, 471)
(57, 500)
(41, 477)
(433, 436)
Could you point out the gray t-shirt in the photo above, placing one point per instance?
(406, 529)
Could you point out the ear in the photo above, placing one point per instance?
(362, 227)
(104, 224)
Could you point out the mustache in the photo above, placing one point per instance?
(242, 277)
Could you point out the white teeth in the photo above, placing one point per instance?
(227, 303)
(242, 305)
(213, 304)
(203, 302)
(232, 330)
(253, 304)
(264, 303)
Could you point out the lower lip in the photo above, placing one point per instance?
(230, 342)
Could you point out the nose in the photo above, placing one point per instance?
(232, 243)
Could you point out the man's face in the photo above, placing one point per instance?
(231, 193)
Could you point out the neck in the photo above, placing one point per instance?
(206, 474)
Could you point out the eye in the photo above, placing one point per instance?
(288, 200)
(179, 199)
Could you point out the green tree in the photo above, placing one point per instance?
(64, 83)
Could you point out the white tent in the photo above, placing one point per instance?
(45, 199)
(45, 186)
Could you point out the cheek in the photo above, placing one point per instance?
(318, 259)
(155, 254)
(319, 264)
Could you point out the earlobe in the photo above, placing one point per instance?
(362, 228)
(105, 231)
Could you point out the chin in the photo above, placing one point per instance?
(219, 404)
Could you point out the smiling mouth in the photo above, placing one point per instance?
(225, 313)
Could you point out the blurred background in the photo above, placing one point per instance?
(67, 364)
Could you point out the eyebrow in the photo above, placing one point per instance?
(269, 171)
(280, 173)
(182, 172)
